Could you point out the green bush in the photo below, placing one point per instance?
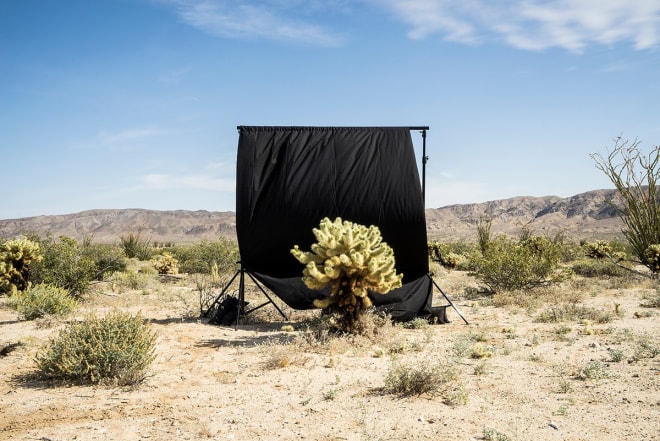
(450, 255)
(16, 258)
(66, 265)
(419, 379)
(509, 264)
(108, 259)
(40, 300)
(570, 250)
(116, 349)
(199, 258)
(597, 268)
(132, 279)
(135, 245)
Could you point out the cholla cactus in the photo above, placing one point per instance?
(15, 259)
(353, 260)
(652, 256)
(598, 249)
(166, 264)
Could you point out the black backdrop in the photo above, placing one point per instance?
(289, 178)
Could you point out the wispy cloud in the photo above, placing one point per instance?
(200, 181)
(174, 76)
(213, 176)
(127, 135)
(534, 24)
(272, 20)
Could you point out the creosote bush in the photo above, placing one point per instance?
(419, 379)
(40, 300)
(597, 268)
(201, 258)
(508, 264)
(65, 264)
(116, 349)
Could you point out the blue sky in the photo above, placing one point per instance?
(135, 103)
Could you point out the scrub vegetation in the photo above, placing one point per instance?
(563, 333)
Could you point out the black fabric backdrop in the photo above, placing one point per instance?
(289, 178)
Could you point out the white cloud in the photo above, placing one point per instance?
(201, 181)
(534, 24)
(121, 136)
(175, 76)
(444, 189)
(254, 19)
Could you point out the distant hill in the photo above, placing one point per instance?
(583, 216)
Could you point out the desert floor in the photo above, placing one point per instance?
(517, 378)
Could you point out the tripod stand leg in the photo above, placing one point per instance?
(241, 297)
(447, 298)
(240, 307)
(270, 300)
(217, 302)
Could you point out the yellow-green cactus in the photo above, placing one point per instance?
(352, 259)
(166, 263)
(652, 258)
(15, 258)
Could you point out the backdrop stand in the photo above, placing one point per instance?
(447, 298)
(240, 306)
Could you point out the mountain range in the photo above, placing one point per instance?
(583, 216)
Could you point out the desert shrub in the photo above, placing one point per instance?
(494, 435)
(407, 380)
(416, 323)
(574, 312)
(593, 370)
(597, 268)
(635, 176)
(40, 300)
(484, 235)
(115, 349)
(509, 264)
(131, 279)
(646, 347)
(108, 259)
(65, 264)
(135, 245)
(651, 300)
(165, 264)
(200, 258)
(16, 258)
(570, 250)
(450, 255)
(352, 260)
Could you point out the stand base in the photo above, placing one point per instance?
(443, 313)
(221, 303)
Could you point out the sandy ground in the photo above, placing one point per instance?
(259, 382)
